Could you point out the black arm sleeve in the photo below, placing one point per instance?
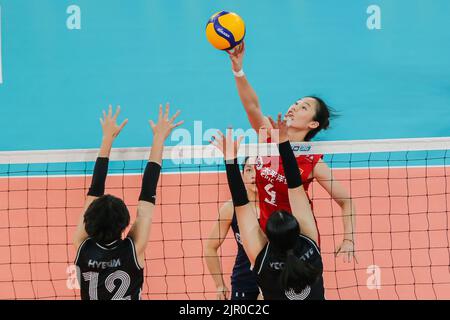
(237, 186)
(97, 188)
(290, 166)
(149, 182)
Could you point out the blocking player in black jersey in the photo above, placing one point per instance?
(287, 263)
(109, 267)
(243, 280)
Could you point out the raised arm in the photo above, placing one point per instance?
(215, 239)
(253, 238)
(248, 96)
(110, 131)
(140, 231)
(298, 199)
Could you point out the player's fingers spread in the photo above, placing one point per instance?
(117, 113)
(179, 123)
(123, 124)
(160, 113)
(272, 122)
(166, 113)
(175, 115)
(337, 251)
(216, 138)
(279, 118)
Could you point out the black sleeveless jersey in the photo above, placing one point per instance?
(109, 272)
(269, 266)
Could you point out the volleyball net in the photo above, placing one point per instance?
(400, 190)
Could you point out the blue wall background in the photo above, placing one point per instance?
(388, 83)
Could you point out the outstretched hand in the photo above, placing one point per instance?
(347, 250)
(165, 125)
(109, 126)
(279, 131)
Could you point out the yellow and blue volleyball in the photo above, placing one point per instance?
(225, 30)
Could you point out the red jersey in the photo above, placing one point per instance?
(272, 186)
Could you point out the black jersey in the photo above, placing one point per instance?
(242, 278)
(269, 265)
(109, 272)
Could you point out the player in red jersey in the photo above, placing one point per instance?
(305, 118)
(271, 182)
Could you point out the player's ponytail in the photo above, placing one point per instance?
(297, 274)
(283, 232)
(323, 115)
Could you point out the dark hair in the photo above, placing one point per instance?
(106, 218)
(283, 230)
(323, 114)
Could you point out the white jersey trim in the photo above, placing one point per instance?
(264, 258)
(312, 242)
(79, 250)
(108, 244)
(133, 248)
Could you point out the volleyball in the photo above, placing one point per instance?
(225, 30)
